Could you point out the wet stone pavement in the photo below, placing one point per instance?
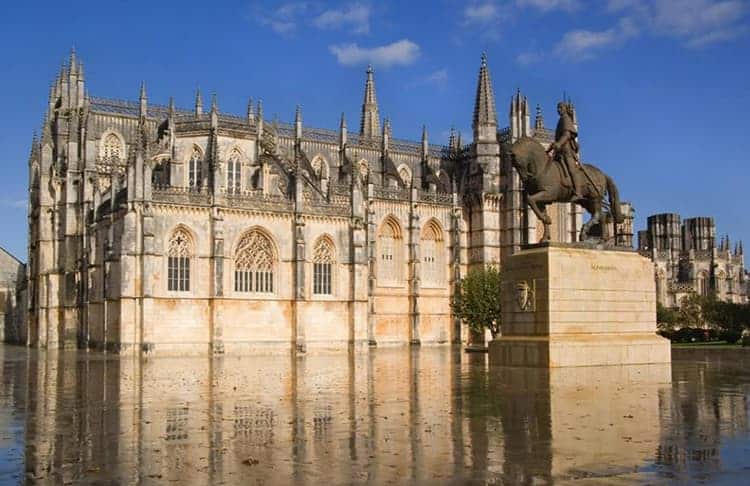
(392, 416)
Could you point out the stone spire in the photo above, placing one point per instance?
(485, 115)
(250, 111)
(739, 249)
(370, 122)
(539, 121)
(386, 134)
(143, 100)
(425, 143)
(342, 130)
(214, 111)
(298, 123)
(198, 103)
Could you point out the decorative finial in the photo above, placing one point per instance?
(198, 102)
(143, 90)
(214, 104)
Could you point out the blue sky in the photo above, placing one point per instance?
(661, 87)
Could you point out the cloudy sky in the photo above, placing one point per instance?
(661, 86)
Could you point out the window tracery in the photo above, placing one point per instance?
(234, 172)
(254, 264)
(195, 169)
(433, 253)
(112, 148)
(323, 261)
(390, 245)
(179, 253)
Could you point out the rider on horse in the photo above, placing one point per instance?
(565, 147)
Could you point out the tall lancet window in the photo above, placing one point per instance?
(234, 172)
(254, 263)
(195, 169)
(433, 255)
(389, 246)
(178, 261)
(323, 261)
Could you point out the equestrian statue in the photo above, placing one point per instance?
(557, 175)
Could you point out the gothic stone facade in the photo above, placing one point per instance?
(155, 228)
(687, 259)
(12, 297)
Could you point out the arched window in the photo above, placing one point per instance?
(405, 175)
(364, 169)
(112, 148)
(234, 172)
(195, 169)
(324, 256)
(254, 263)
(661, 287)
(178, 261)
(390, 247)
(702, 283)
(320, 166)
(721, 279)
(433, 255)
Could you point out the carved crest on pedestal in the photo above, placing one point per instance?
(525, 296)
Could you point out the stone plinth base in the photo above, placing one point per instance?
(566, 305)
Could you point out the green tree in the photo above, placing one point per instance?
(477, 301)
(667, 318)
(691, 311)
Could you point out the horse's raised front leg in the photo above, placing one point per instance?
(541, 213)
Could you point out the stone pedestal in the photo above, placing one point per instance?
(573, 305)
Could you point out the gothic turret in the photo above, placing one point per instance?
(485, 114)
(370, 122)
(520, 118)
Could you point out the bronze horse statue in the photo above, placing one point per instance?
(544, 181)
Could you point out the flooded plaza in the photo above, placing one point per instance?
(390, 416)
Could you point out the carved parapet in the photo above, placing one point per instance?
(393, 193)
(181, 195)
(436, 197)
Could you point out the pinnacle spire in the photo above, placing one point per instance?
(539, 122)
(250, 110)
(298, 114)
(342, 123)
(143, 90)
(214, 104)
(198, 103)
(485, 115)
(171, 107)
(72, 63)
(370, 121)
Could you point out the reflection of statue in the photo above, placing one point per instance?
(565, 146)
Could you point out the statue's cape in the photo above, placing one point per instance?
(565, 124)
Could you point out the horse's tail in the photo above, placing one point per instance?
(614, 200)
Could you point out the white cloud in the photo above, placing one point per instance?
(482, 13)
(284, 19)
(527, 58)
(356, 16)
(695, 22)
(440, 76)
(581, 45)
(549, 5)
(402, 52)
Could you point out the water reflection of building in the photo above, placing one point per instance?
(700, 411)
(387, 416)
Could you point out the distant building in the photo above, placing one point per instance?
(12, 298)
(688, 259)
